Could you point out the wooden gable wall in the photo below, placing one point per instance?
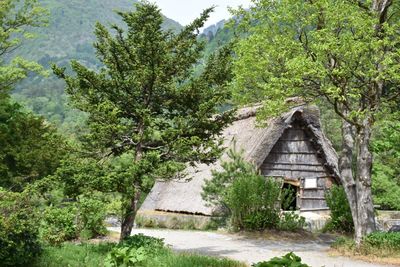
(294, 157)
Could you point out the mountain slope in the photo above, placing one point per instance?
(69, 34)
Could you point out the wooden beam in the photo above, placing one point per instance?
(314, 209)
(313, 198)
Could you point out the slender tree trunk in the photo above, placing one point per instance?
(131, 210)
(129, 217)
(366, 216)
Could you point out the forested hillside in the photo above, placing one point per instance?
(69, 35)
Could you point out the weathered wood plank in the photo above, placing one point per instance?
(294, 134)
(291, 174)
(313, 193)
(312, 204)
(293, 147)
(293, 167)
(293, 158)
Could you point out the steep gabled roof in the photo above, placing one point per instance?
(184, 196)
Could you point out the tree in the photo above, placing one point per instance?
(148, 115)
(30, 149)
(345, 52)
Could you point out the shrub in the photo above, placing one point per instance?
(19, 242)
(289, 260)
(59, 224)
(134, 250)
(250, 198)
(290, 221)
(252, 201)
(341, 219)
(92, 213)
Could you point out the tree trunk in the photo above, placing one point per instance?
(129, 217)
(366, 216)
(346, 172)
(130, 212)
(358, 191)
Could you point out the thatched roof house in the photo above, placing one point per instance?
(292, 148)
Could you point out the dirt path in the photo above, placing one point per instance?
(237, 247)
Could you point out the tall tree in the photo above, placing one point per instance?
(148, 114)
(344, 51)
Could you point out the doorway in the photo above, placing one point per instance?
(289, 197)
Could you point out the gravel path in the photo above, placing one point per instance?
(244, 249)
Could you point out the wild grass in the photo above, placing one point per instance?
(377, 247)
(74, 255)
(93, 255)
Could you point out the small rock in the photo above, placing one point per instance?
(394, 228)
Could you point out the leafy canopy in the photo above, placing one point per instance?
(324, 48)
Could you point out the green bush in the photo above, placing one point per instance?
(19, 241)
(92, 213)
(290, 221)
(250, 199)
(59, 224)
(289, 260)
(341, 219)
(134, 250)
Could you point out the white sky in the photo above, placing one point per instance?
(184, 11)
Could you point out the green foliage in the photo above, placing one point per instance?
(310, 49)
(170, 259)
(19, 240)
(15, 17)
(383, 240)
(93, 255)
(287, 197)
(74, 255)
(290, 221)
(380, 244)
(140, 240)
(252, 201)
(92, 213)
(341, 219)
(30, 149)
(125, 256)
(59, 224)
(134, 250)
(386, 169)
(289, 260)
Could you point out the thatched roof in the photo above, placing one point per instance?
(185, 196)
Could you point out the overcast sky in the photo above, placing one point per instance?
(184, 11)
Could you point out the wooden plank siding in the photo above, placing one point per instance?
(295, 157)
